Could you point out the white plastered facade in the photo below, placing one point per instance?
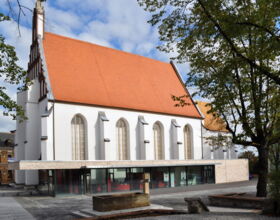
(36, 138)
(46, 134)
(98, 130)
(217, 152)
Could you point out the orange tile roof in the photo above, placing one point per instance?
(211, 122)
(81, 72)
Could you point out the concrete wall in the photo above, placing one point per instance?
(231, 170)
(97, 131)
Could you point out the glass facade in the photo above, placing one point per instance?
(98, 183)
(69, 181)
(159, 177)
(178, 176)
(92, 181)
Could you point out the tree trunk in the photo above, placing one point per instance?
(263, 171)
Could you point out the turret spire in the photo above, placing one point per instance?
(38, 20)
(39, 7)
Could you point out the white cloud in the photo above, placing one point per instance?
(21, 42)
(145, 48)
(120, 24)
(6, 123)
(91, 38)
(59, 21)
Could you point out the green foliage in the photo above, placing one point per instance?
(220, 39)
(180, 100)
(233, 47)
(274, 157)
(10, 73)
(274, 187)
(203, 23)
(274, 176)
(253, 161)
(218, 141)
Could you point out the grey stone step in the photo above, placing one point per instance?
(80, 214)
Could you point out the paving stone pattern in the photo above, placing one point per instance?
(10, 209)
(50, 208)
(213, 216)
(58, 208)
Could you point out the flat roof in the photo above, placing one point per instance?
(80, 164)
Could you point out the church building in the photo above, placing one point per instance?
(217, 140)
(98, 118)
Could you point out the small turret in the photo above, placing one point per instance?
(38, 20)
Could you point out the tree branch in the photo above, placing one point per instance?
(247, 23)
(275, 77)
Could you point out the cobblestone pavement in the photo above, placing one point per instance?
(176, 200)
(213, 216)
(10, 209)
(50, 208)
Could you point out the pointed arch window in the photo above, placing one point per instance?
(122, 139)
(78, 128)
(188, 142)
(158, 141)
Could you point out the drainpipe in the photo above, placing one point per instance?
(53, 131)
(201, 141)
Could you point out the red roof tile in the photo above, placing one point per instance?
(86, 73)
(211, 121)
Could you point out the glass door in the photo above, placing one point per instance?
(87, 181)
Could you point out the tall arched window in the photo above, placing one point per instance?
(78, 138)
(122, 140)
(158, 141)
(188, 142)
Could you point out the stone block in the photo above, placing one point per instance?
(120, 201)
(196, 206)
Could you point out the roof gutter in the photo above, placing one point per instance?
(53, 131)
(50, 95)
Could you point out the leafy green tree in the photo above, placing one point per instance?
(10, 73)
(233, 50)
(253, 160)
(274, 176)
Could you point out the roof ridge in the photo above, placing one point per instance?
(118, 50)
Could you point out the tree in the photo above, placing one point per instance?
(274, 177)
(219, 142)
(233, 58)
(10, 73)
(252, 158)
(274, 157)
(223, 17)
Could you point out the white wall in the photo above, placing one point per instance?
(65, 112)
(20, 139)
(29, 132)
(46, 114)
(218, 151)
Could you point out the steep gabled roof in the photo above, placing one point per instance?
(211, 122)
(86, 73)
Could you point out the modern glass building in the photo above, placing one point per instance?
(108, 180)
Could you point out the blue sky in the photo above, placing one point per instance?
(119, 24)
